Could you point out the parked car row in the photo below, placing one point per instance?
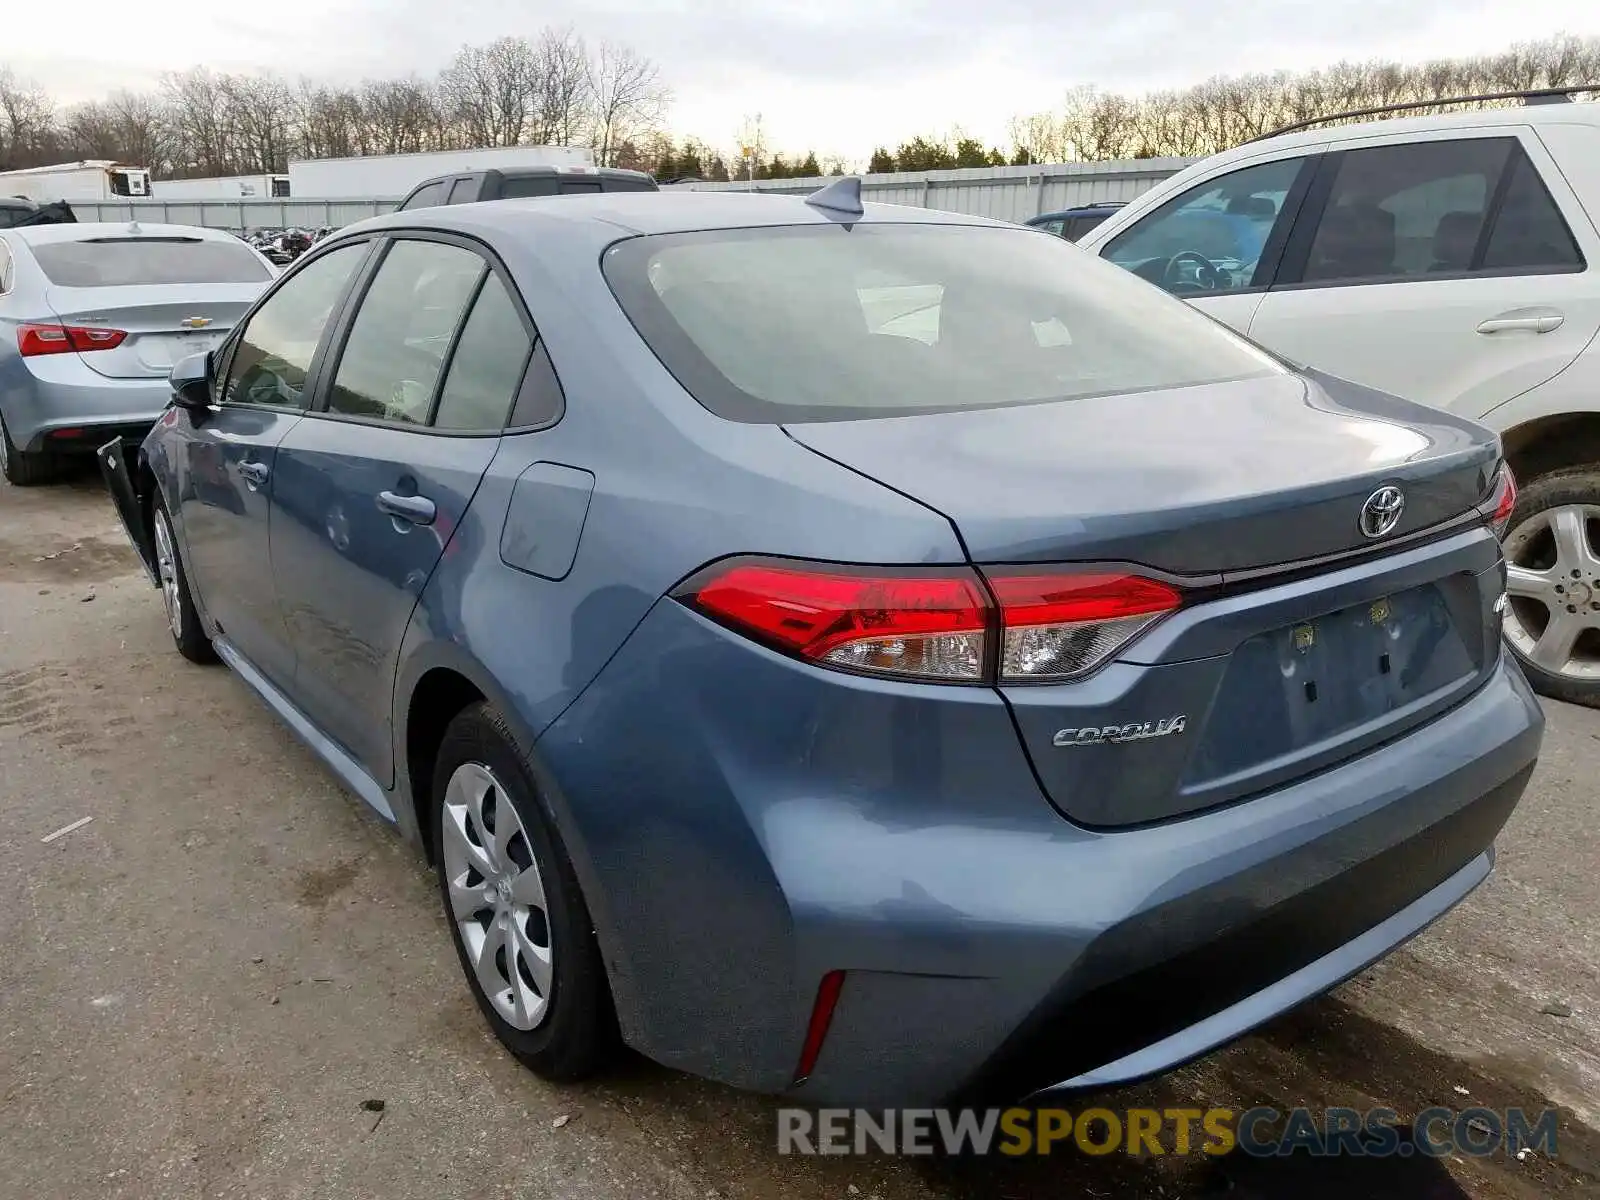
(740, 600)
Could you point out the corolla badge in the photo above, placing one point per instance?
(1091, 735)
(1381, 513)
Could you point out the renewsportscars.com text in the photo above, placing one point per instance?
(1261, 1132)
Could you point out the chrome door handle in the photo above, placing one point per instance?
(255, 474)
(1542, 323)
(414, 510)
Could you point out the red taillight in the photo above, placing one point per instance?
(817, 1030)
(34, 340)
(1061, 625)
(937, 624)
(1504, 500)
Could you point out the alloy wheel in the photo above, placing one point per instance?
(167, 569)
(497, 897)
(1553, 580)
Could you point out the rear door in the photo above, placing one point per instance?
(227, 477)
(1441, 268)
(1219, 242)
(370, 487)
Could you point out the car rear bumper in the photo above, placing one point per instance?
(754, 824)
(64, 406)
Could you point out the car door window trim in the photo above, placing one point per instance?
(340, 328)
(1298, 251)
(230, 346)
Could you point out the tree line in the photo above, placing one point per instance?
(556, 89)
(551, 89)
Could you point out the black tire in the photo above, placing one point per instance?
(1575, 485)
(578, 1033)
(21, 469)
(187, 629)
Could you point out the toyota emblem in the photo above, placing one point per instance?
(1381, 513)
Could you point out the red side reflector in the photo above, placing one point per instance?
(36, 340)
(821, 1018)
(66, 433)
(1505, 500)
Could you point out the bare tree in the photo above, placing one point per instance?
(262, 109)
(492, 91)
(27, 123)
(200, 123)
(565, 96)
(628, 98)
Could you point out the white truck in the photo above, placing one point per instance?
(391, 176)
(91, 180)
(227, 187)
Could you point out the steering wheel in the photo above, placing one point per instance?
(1207, 275)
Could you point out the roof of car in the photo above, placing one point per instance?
(1100, 207)
(654, 212)
(82, 231)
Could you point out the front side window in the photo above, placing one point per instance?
(1209, 238)
(1406, 211)
(273, 354)
(520, 187)
(462, 191)
(395, 351)
(815, 323)
(426, 197)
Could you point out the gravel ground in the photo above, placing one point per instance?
(207, 990)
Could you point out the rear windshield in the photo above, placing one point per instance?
(829, 322)
(122, 262)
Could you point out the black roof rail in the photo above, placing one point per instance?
(1555, 95)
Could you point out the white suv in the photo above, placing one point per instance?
(1453, 260)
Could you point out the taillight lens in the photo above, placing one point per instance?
(934, 624)
(1057, 626)
(927, 625)
(36, 340)
(1504, 500)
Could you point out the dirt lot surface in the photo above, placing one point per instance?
(205, 990)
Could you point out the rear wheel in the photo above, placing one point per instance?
(516, 914)
(1553, 580)
(183, 619)
(22, 469)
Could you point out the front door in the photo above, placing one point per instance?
(371, 486)
(1440, 270)
(227, 482)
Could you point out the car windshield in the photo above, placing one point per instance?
(831, 322)
(119, 262)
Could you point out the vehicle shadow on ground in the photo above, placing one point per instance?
(1323, 1055)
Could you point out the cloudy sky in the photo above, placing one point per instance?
(830, 75)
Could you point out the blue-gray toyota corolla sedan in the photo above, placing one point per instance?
(875, 655)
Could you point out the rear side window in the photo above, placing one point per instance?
(624, 184)
(5, 268)
(520, 187)
(824, 322)
(1406, 211)
(123, 262)
(10, 216)
(1529, 231)
(487, 364)
(408, 318)
(426, 197)
(463, 191)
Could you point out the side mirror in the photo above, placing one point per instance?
(191, 381)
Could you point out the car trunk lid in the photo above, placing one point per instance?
(163, 323)
(1299, 641)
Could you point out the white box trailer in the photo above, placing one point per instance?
(92, 180)
(226, 187)
(392, 176)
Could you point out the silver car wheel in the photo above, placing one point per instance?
(496, 896)
(1553, 579)
(167, 569)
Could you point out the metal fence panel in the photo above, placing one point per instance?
(1004, 193)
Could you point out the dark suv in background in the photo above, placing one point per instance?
(467, 187)
(1073, 223)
